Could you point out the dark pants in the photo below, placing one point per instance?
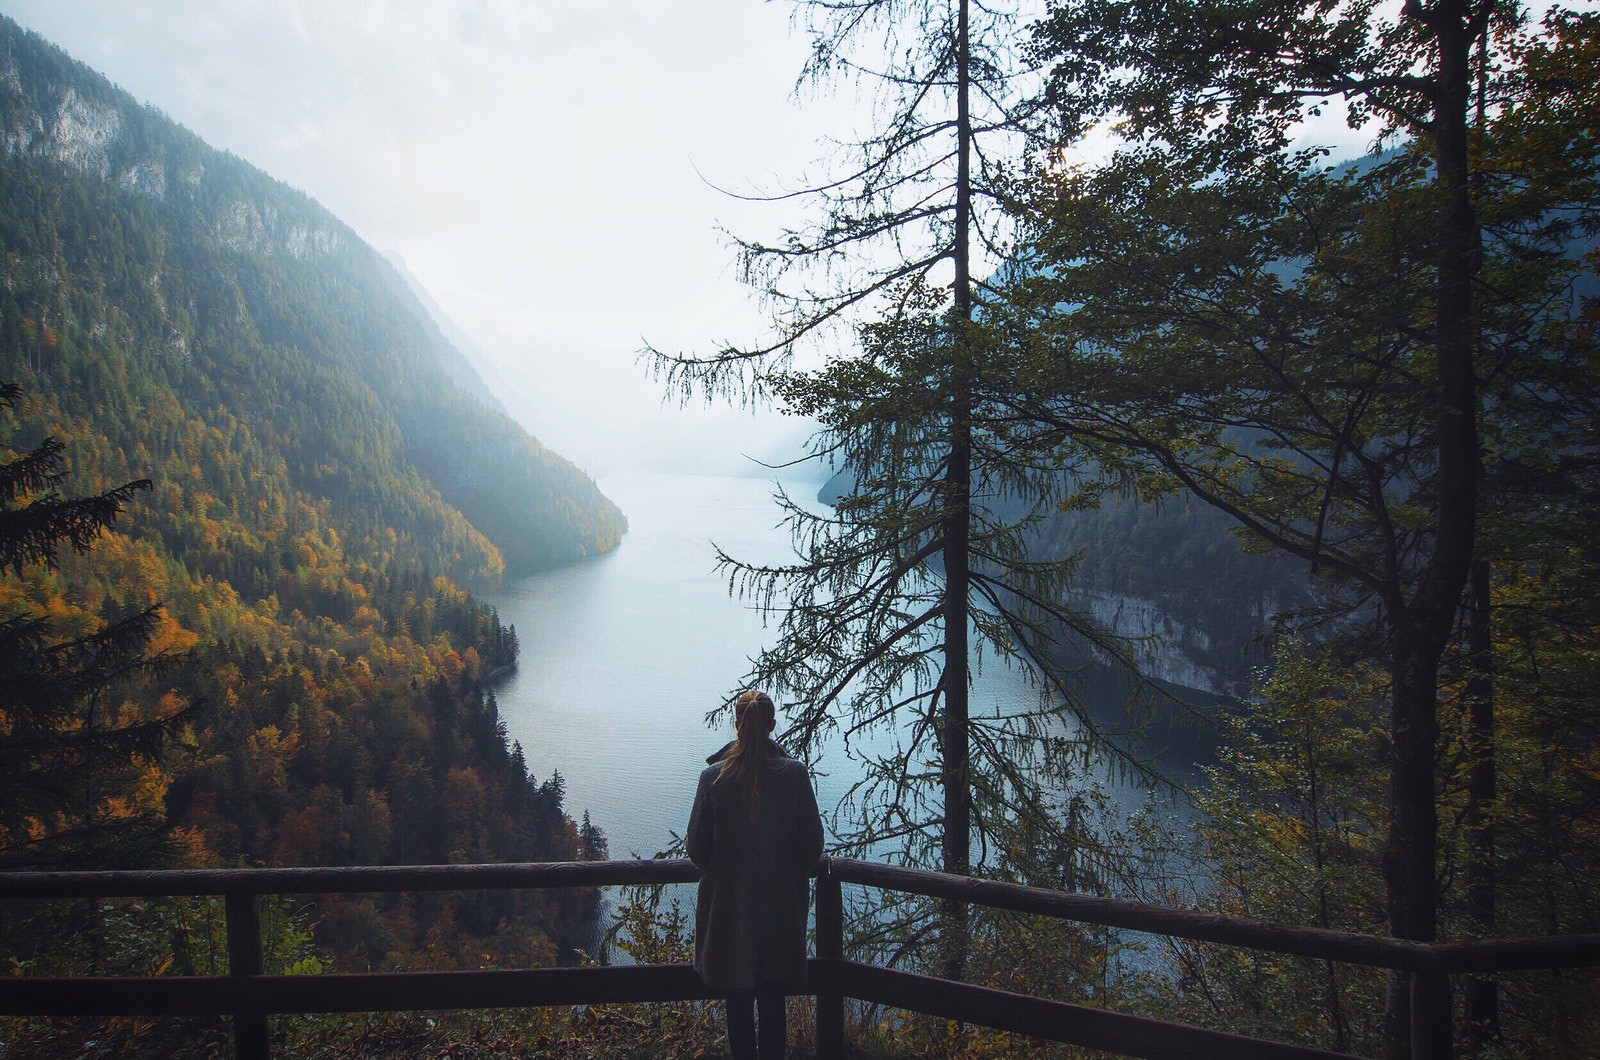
(742, 1034)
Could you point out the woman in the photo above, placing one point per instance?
(756, 836)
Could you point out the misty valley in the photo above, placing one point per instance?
(1170, 548)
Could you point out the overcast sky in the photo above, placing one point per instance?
(542, 166)
(548, 169)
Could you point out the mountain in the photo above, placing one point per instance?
(1171, 575)
(330, 480)
(463, 361)
(1174, 574)
(466, 364)
(190, 272)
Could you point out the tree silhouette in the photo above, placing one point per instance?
(921, 565)
(63, 741)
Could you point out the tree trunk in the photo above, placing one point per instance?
(1481, 994)
(1420, 628)
(956, 757)
(1409, 857)
(956, 772)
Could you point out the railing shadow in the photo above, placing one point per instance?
(250, 996)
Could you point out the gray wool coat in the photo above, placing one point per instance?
(755, 883)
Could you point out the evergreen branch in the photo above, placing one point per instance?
(31, 534)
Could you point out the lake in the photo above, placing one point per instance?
(623, 655)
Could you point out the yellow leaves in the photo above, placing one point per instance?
(170, 638)
(122, 570)
(1587, 763)
(67, 619)
(269, 752)
(147, 792)
(189, 845)
(367, 619)
(1285, 832)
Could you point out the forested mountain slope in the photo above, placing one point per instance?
(324, 496)
(1175, 573)
(1170, 575)
(141, 263)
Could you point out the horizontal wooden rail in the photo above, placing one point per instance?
(1566, 951)
(361, 992)
(1517, 955)
(1058, 1021)
(355, 879)
(250, 996)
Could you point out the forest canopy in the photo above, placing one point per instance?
(316, 501)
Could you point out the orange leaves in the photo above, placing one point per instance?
(170, 638)
(301, 837)
(190, 849)
(367, 619)
(451, 667)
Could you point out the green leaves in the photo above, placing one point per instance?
(1260, 336)
(1213, 77)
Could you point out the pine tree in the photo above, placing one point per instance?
(876, 615)
(64, 741)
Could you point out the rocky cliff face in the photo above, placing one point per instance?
(78, 133)
(1181, 652)
(1171, 578)
(80, 121)
(1169, 650)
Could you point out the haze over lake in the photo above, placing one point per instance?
(623, 655)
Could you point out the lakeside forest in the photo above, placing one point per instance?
(248, 488)
(275, 658)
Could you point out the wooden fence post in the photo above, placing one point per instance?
(245, 958)
(1431, 1011)
(830, 951)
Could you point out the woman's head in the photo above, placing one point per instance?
(754, 718)
(754, 713)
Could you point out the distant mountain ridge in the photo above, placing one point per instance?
(327, 489)
(458, 354)
(240, 290)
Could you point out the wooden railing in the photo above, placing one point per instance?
(249, 996)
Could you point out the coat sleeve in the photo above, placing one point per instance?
(698, 838)
(810, 825)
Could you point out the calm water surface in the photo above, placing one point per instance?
(622, 656)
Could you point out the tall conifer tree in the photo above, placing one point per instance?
(925, 546)
(59, 735)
